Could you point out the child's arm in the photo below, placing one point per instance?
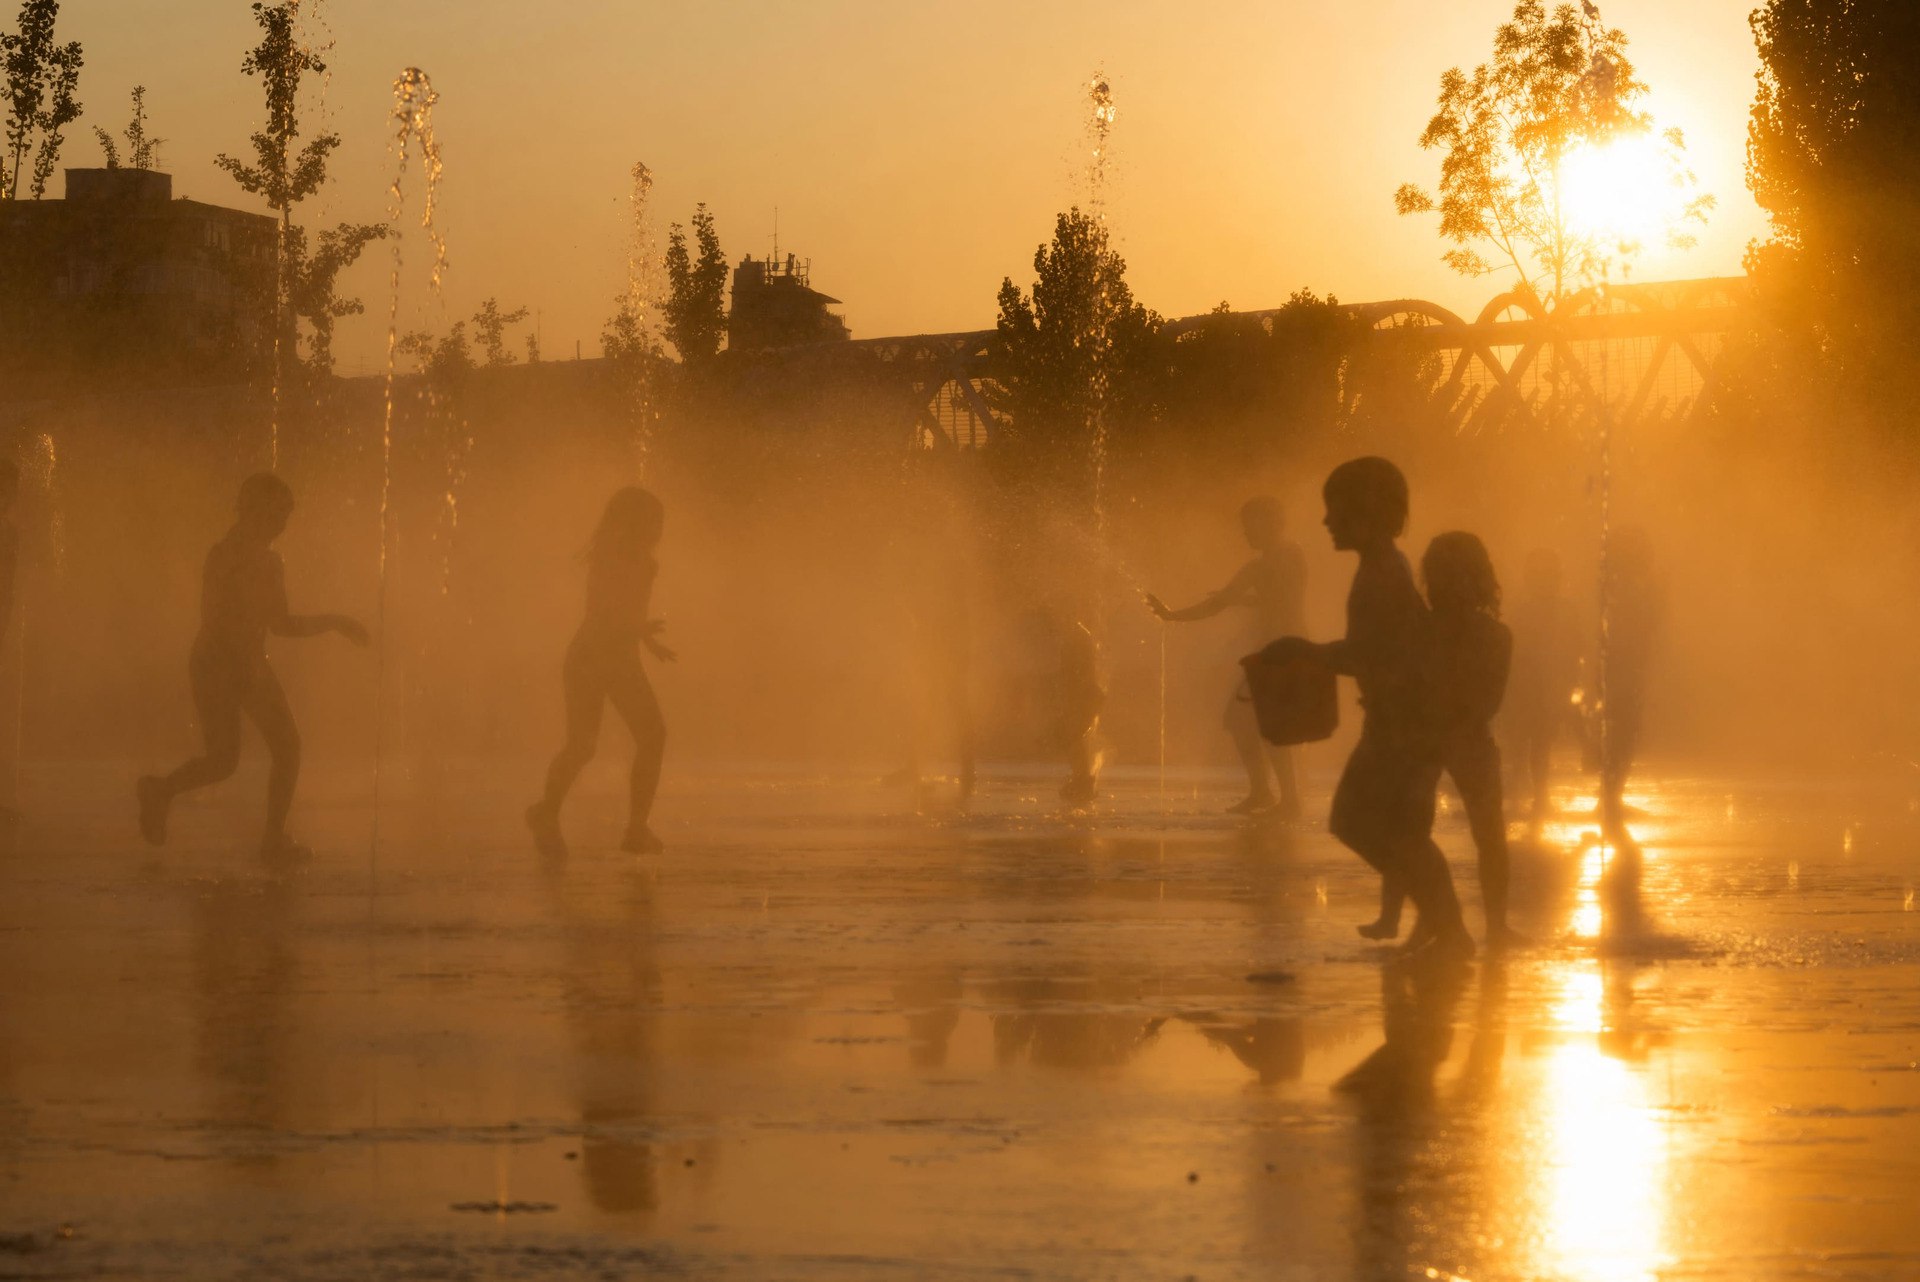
(284, 623)
(1235, 593)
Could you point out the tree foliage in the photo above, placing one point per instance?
(1558, 81)
(1833, 156)
(281, 175)
(695, 312)
(490, 326)
(312, 284)
(42, 76)
(143, 150)
(1073, 357)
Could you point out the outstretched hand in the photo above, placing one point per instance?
(352, 629)
(654, 628)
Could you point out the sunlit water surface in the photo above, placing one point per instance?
(823, 1038)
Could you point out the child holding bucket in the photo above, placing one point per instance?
(1383, 806)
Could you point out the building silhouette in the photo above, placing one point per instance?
(775, 305)
(120, 279)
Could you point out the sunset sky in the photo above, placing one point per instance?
(916, 152)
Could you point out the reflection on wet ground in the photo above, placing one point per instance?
(818, 1039)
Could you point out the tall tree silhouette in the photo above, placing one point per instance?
(695, 312)
(1833, 156)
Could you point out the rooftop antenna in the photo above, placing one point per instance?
(776, 233)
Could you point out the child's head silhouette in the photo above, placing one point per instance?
(1262, 520)
(264, 504)
(1459, 575)
(1366, 503)
(632, 522)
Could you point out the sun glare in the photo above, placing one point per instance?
(1619, 191)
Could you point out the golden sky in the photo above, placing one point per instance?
(916, 151)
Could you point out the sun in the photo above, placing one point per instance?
(1620, 191)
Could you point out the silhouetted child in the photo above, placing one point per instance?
(1546, 668)
(603, 666)
(1272, 589)
(1633, 608)
(1469, 651)
(1383, 806)
(243, 598)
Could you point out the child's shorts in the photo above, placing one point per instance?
(1385, 796)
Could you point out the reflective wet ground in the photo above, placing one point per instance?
(820, 1039)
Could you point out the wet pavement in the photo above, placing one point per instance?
(821, 1039)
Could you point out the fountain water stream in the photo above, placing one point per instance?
(412, 125)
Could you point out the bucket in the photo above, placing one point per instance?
(1295, 697)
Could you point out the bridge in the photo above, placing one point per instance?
(1641, 349)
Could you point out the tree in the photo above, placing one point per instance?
(1833, 156)
(446, 361)
(41, 79)
(623, 340)
(311, 284)
(280, 175)
(695, 312)
(143, 152)
(1073, 357)
(490, 324)
(1559, 82)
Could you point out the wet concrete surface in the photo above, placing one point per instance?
(822, 1039)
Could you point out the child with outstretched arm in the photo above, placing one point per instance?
(243, 600)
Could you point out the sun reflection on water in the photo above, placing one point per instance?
(1606, 1151)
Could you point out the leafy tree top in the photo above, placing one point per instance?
(1559, 81)
(281, 175)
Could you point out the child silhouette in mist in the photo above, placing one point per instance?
(1271, 587)
(603, 666)
(1633, 612)
(1383, 806)
(243, 598)
(1546, 664)
(1468, 654)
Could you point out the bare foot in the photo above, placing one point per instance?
(279, 848)
(1254, 803)
(154, 801)
(642, 840)
(544, 821)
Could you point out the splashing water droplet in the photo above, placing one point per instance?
(639, 313)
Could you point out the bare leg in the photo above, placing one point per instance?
(266, 705)
(1282, 761)
(1242, 724)
(585, 694)
(216, 700)
(632, 697)
(1475, 769)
